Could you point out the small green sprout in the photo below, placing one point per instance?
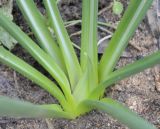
(117, 7)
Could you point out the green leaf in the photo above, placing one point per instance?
(5, 39)
(117, 7)
(89, 32)
(38, 25)
(42, 57)
(31, 73)
(15, 108)
(120, 112)
(69, 55)
(127, 71)
(86, 83)
(129, 23)
(82, 89)
(89, 37)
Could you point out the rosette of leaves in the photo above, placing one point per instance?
(80, 83)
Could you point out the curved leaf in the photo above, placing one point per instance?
(43, 58)
(130, 21)
(38, 26)
(127, 71)
(15, 108)
(31, 73)
(120, 112)
(69, 55)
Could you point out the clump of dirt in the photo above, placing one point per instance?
(139, 92)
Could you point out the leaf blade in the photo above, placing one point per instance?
(39, 27)
(43, 58)
(120, 112)
(89, 32)
(127, 71)
(16, 108)
(31, 73)
(71, 60)
(89, 38)
(125, 30)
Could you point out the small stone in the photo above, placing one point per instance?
(135, 103)
(158, 86)
(126, 54)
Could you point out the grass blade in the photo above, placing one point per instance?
(89, 32)
(43, 58)
(89, 36)
(130, 21)
(120, 112)
(15, 108)
(31, 73)
(127, 71)
(71, 60)
(39, 27)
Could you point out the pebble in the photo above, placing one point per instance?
(135, 103)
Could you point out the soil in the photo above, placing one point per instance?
(141, 92)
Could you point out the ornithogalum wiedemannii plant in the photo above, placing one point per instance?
(80, 83)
